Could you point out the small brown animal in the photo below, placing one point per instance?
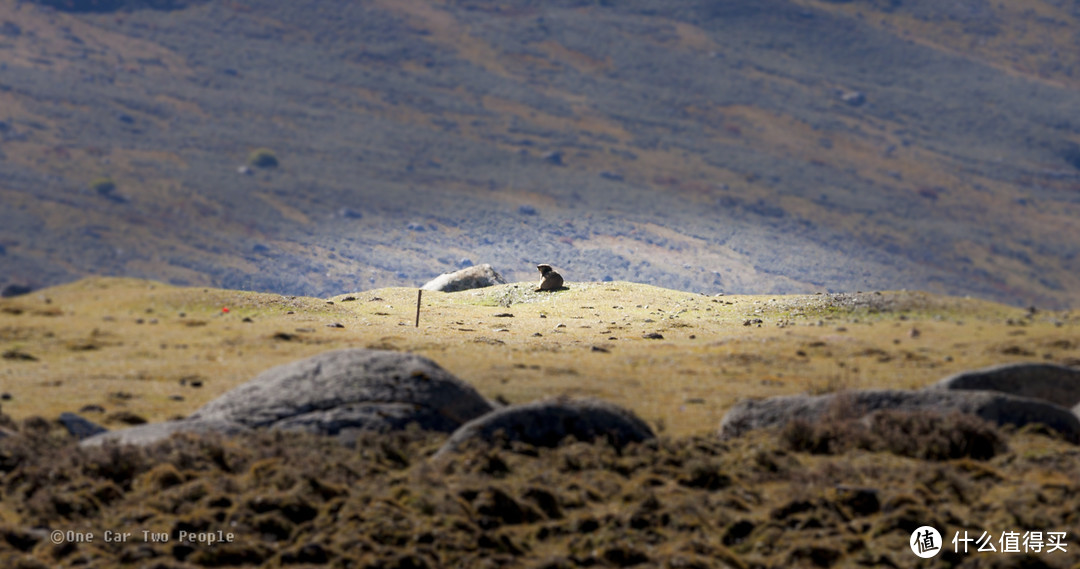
(549, 279)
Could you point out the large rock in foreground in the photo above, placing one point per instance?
(1057, 384)
(478, 276)
(547, 422)
(151, 433)
(373, 390)
(998, 408)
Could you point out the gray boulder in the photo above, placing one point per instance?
(79, 427)
(1057, 384)
(151, 433)
(477, 276)
(549, 421)
(351, 389)
(371, 417)
(998, 408)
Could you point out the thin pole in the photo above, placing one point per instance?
(419, 292)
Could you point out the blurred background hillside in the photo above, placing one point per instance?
(746, 146)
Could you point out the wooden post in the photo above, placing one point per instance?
(419, 292)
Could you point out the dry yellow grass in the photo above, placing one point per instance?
(138, 346)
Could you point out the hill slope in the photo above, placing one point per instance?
(159, 352)
(748, 146)
(836, 493)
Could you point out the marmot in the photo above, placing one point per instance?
(549, 279)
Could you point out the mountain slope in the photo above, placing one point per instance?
(749, 146)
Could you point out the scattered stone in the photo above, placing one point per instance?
(151, 433)
(80, 427)
(549, 421)
(125, 417)
(350, 213)
(653, 336)
(91, 409)
(351, 389)
(601, 349)
(527, 210)
(17, 355)
(335, 325)
(853, 98)
(998, 408)
(554, 157)
(478, 276)
(504, 315)
(5, 396)
(263, 158)
(1054, 383)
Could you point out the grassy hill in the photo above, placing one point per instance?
(828, 495)
(765, 146)
(157, 351)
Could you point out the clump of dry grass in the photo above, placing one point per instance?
(298, 499)
(924, 435)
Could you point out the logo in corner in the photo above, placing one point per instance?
(926, 542)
